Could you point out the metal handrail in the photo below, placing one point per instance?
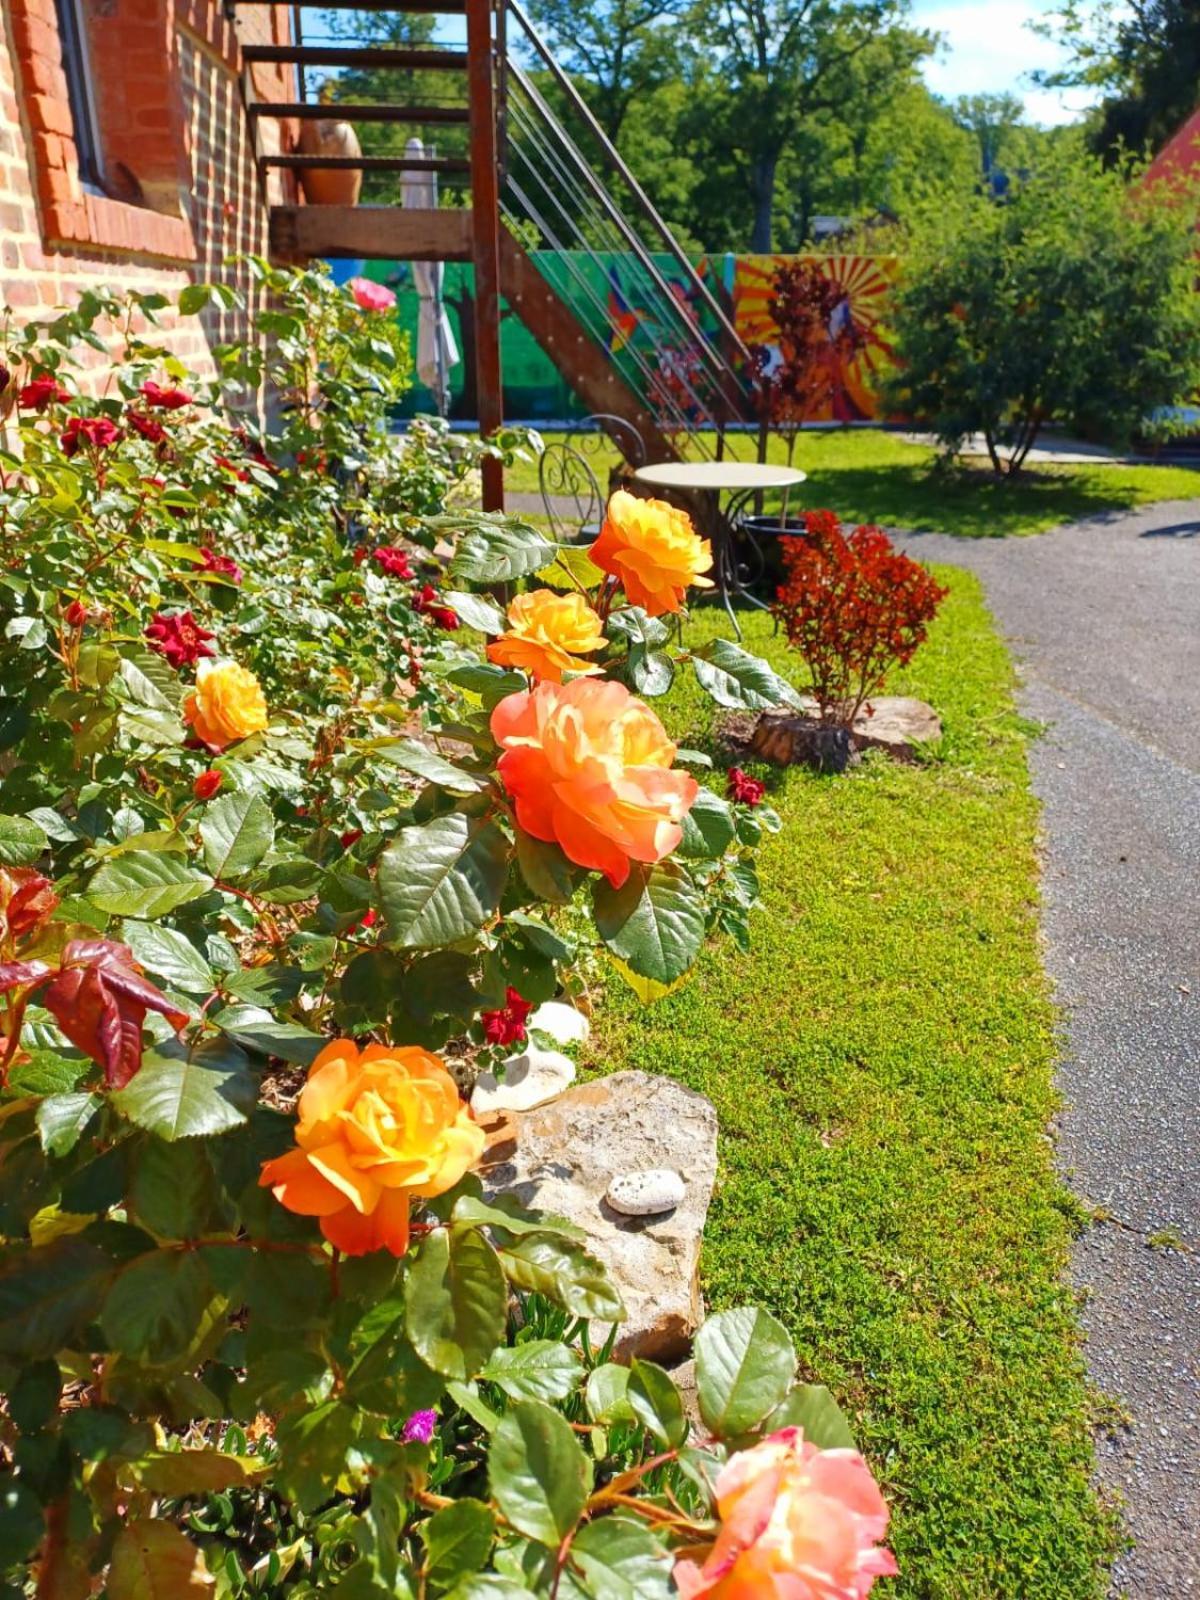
(614, 158)
(731, 390)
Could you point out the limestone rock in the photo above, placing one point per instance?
(646, 1194)
(568, 1153)
(530, 1079)
(896, 724)
(562, 1022)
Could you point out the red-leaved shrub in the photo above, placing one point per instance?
(853, 606)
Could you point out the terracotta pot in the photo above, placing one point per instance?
(329, 186)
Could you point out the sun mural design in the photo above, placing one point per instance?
(866, 283)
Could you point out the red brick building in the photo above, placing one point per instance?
(126, 157)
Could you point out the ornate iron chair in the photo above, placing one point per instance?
(568, 476)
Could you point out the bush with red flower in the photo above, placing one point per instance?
(279, 846)
(853, 607)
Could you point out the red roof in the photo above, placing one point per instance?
(1180, 154)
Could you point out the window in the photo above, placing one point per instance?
(72, 30)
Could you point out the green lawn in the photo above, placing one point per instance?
(882, 1067)
(876, 477)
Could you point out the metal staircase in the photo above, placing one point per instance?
(610, 295)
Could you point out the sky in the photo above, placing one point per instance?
(990, 48)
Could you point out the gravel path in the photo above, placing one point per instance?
(1104, 619)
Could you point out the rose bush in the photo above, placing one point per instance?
(272, 862)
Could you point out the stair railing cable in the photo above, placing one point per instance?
(600, 226)
(614, 159)
(554, 192)
(629, 242)
(599, 324)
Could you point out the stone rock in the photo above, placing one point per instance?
(646, 1194)
(563, 1023)
(567, 1156)
(530, 1079)
(896, 724)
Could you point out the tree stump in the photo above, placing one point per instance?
(895, 724)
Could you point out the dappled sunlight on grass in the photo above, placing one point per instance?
(870, 476)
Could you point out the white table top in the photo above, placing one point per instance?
(718, 475)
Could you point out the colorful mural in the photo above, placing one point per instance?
(866, 284)
(536, 392)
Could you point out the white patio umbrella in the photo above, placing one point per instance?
(437, 350)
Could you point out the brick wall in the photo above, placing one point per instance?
(183, 190)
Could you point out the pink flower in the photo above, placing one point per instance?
(41, 392)
(745, 789)
(394, 562)
(165, 399)
(223, 566)
(369, 296)
(419, 1428)
(506, 1025)
(178, 636)
(98, 432)
(797, 1523)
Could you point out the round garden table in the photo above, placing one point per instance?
(708, 481)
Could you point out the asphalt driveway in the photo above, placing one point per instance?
(1104, 620)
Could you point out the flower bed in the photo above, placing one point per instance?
(276, 838)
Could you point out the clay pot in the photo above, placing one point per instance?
(329, 186)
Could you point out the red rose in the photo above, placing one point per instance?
(178, 636)
(239, 473)
(506, 1025)
(165, 399)
(223, 566)
(394, 562)
(746, 790)
(76, 614)
(148, 427)
(350, 838)
(207, 784)
(426, 602)
(98, 432)
(41, 392)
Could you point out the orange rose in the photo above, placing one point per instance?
(227, 704)
(797, 1523)
(588, 767)
(377, 1129)
(548, 634)
(654, 550)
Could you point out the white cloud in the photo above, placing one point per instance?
(988, 48)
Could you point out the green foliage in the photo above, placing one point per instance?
(882, 1067)
(197, 901)
(1073, 301)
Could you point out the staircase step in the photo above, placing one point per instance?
(424, 8)
(314, 55)
(343, 112)
(370, 163)
(378, 233)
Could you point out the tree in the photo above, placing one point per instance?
(621, 49)
(1144, 55)
(774, 65)
(998, 125)
(1073, 301)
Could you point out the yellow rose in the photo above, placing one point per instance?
(377, 1128)
(548, 633)
(653, 550)
(227, 704)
